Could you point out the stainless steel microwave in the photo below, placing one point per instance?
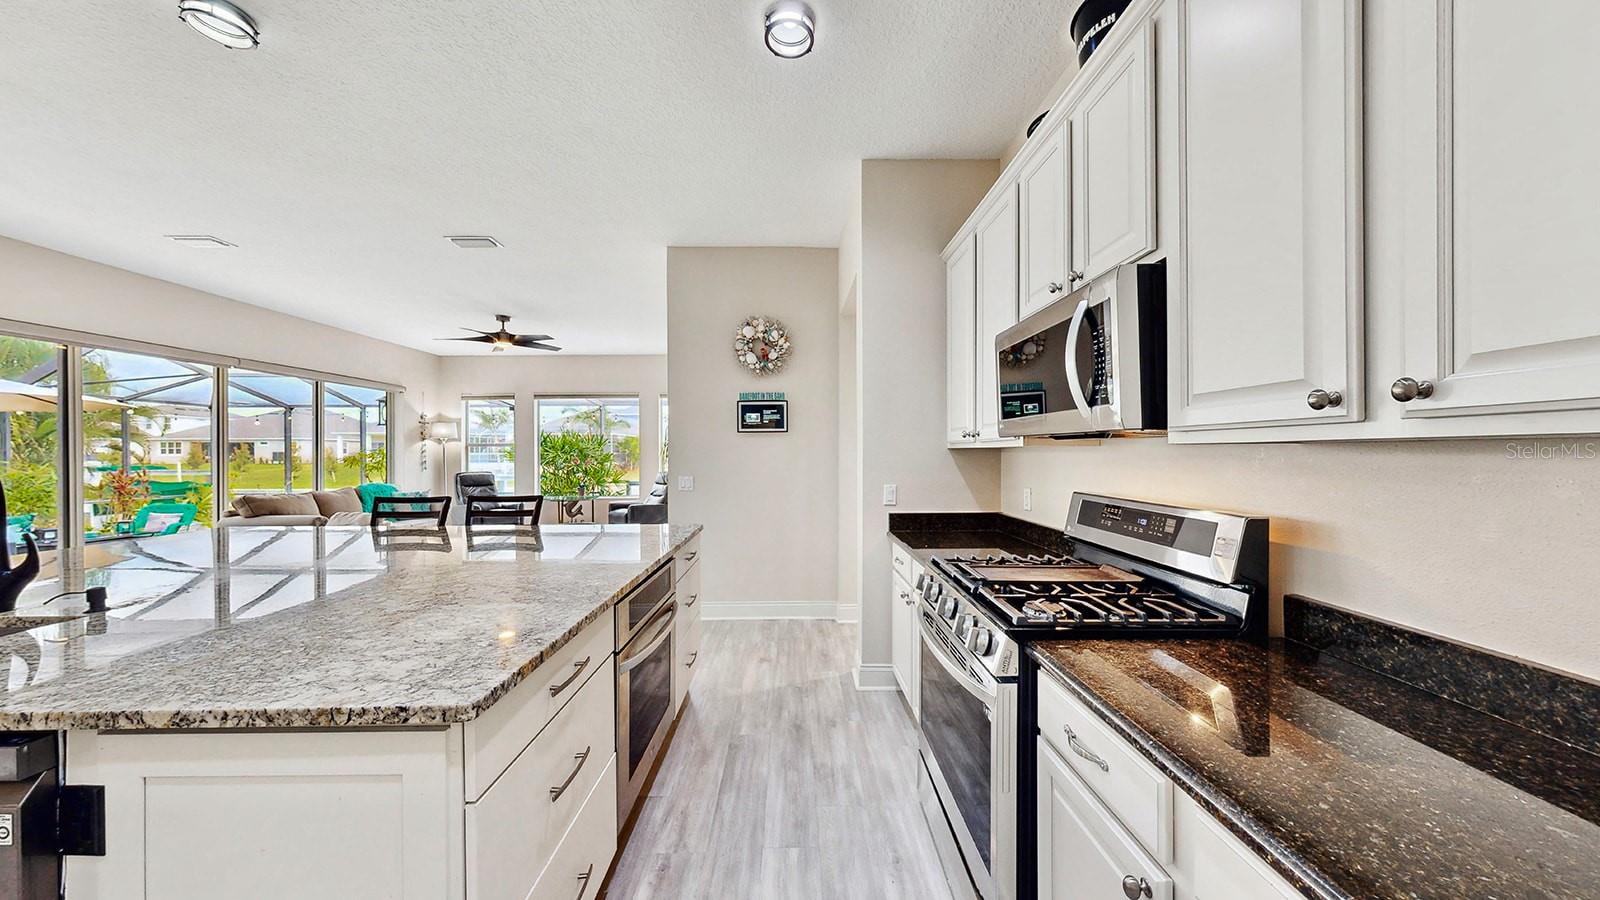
(1091, 363)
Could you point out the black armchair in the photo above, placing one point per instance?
(476, 493)
(652, 510)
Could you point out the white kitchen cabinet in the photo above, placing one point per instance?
(961, 316)
(1084, 853)
(1503, 185)
(1212, 864)
(901, 624)
(1112, 130)
(997, 308)
(1045, 215)
(1267, 317)
(688, 629)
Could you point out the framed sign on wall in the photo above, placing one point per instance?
(760, 412)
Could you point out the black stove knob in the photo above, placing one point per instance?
(981, 641)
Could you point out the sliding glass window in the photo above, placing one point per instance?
(354, 442)
(589, 446)
(271, 433)
(490, 424)
(147, 438)
(30, 452)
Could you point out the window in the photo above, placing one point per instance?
(146, 427)
(30, 454)
(589, 446)
(664, 434)
(354, 425)
(490, 424)
(271, 433)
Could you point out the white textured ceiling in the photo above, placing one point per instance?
(587, 135)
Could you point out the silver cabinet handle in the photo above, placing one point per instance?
(1408, 389)
(1074, 275)
(558, 790)
(692, 657)
(689, 557)
(1133, 888)
(583, 881)
(577, 669)
(691, 601)
(1056, 287)
(1078, 748)
(1321, 399)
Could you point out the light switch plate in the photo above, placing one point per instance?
(889, 495)
(685, 482)
(1027, 499)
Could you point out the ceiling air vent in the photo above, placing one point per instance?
(203, 241)
(472, 241)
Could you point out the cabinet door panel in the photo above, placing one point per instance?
(997, 306)
(1083, 853)
(900, 632)
(1269, 299)
(1113, 150)
(1043, 190)
(961, 298)
(1504, 188)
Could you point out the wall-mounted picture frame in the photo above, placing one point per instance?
(763, 416)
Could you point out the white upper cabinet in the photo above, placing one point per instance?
(1502, 318)
(961, 299)
(1043, 187)
(1113, 162)
(997, 306)
(1267, 324)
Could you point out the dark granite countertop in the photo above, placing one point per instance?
(1348, 782)
(929, 534)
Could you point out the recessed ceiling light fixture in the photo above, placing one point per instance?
(202, 241)
(472, 241)
(222, 22)
(791, 29)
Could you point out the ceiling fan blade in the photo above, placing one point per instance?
(535, 345)
(481, 338)
(533, 337)
(475, 330)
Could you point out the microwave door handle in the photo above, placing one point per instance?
(1074, 381)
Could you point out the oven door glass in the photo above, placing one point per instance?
(955, 724)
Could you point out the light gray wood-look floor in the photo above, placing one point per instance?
(783, 780)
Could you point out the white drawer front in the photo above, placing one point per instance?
(495, 738)
(688, 590)
(1084, 853)
(517, 824)
(900, 558)
(1224, 868)
(585, 852)
(1134, 790)
(684, 562)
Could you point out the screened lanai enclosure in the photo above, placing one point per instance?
(151, 430)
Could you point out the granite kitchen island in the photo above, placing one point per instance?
(325, 712)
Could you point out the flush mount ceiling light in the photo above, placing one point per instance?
(472, 241)
(222, 22)
(202, 241)
(791, 29)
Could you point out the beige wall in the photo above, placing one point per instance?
(909, 210)
(1454, 538)
(45, 287)
(849, 595)
(768, 501)
(528, 377)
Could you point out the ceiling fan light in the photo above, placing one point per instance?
(791, 30)
(222, 22)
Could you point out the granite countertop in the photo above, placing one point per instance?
(929, 534)
(1350, 783)
(286, 627)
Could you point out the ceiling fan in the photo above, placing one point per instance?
(501, 339)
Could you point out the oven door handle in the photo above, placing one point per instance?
(977, 689)
(633, 661)
(1074, 380)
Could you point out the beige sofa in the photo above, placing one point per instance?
(338, 507)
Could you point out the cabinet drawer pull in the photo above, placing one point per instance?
(692, 657)
(577, 669)
(1134, 888)
(583, 880)
(1078, 748)
(689, 557)
(558, 790)
(691, 601)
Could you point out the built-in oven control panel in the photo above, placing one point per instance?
(970, 627)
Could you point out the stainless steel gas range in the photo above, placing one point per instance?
(1129, 569)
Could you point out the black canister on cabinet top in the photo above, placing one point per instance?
(1092, 22)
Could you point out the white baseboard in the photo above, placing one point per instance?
(876, 677)
(847, 613)
(768, 609)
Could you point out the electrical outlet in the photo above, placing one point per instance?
(1027, 499)
(685, 482)
(888, 495)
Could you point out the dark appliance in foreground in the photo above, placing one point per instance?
(42, 820)
(1128, 569)
(644, 682)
